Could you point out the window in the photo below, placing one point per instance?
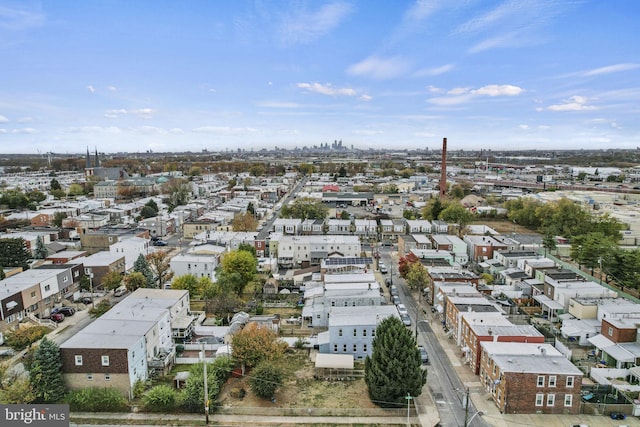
(78, 360)
(539, 399)
(107, 377)
(89, 377)
(339, 332)
(569, 382)
(355, 332)
(335, 348)
(551, 399)
(364, 348)
(344, 348)
(105, 360)
(568, 400)
(552, 381)
(610, 331)
(47, 287)
(540, 380)
(364, 332)
(355, 348)
(33, 294)
(373, 332)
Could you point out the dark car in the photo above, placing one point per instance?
(67, 311)
(57, 317)
(159, 243)
(618, 416)
(424, 357)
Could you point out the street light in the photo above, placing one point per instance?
(473, 416)
(206, 391)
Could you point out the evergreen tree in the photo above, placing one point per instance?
(46, 373)
(394, 369)
(55, 185)
(142, 266)
(14, 253)
(41, 251)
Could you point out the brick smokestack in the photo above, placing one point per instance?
(443, 170)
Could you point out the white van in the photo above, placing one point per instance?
(120, 291)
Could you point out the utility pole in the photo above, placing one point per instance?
(408, 408)
(466, 407)
(206, 388)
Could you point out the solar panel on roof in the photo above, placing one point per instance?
(348, 260)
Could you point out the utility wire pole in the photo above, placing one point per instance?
(206, 388)
(466, 407)
(408, 408)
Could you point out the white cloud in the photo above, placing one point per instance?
(327, 89)
(20, 20)
(611, 69)
(149, 130)
(176, 131)
(3, 119)
(3, 130)
(436, 71)
(94, 129)
(112, 88)
(25, 120)
(461, 95)
(91, 89)
(302, 26)
(224, 130)
(524, 127)
(25, 130)
(379, 68)
(143, 113)
(434, 89)
(498, 90)
(365, 97)
(574, 103)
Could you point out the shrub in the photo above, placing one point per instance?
(161, 398)
(100, 309)
(97, 399)
(21, 338)
(265, 380)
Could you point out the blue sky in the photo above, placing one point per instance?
(192, 75)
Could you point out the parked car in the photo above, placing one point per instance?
(395, 299)
(617, 416)
(120, 291)
(402, 309)
(67, 311)
(405, 319)
(84, 300)
(160, 243)
(394, 290)
(424, 357)
(56, 317)
(382, 268)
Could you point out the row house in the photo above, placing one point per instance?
(366, 228)
(339, 226)
(130, 249)
(418, 226)
(392, 229)
(65, 257)
(481, 327)
(351, 330)
(190, 229)
(288, 226)
(459, 289)
(98, 265)
(124, 345)
(101, 240)
(321, 300)
(530, 378)
(107, 189)
(482, 248)
(158, 226)
(617, 344)
(36, 291)
(456, 306)
(198, 265)
(312, 226)
(557, 295)
(296, 251)
(447, 274)
(511, 258)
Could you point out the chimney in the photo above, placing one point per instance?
(443, 170)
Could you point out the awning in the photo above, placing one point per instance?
(601, 342)
(548, 302)
(620, 354)
(11, 305)
(335, 361)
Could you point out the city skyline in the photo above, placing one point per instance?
(174, 76)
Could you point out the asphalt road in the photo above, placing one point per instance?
(446, 388)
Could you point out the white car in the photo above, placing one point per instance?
(402, 309)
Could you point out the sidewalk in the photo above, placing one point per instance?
(483, 401)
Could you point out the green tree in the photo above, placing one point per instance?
(255, 344)
(58, 193)
(192, 396)
(306, 169)
(247, 247)
(304, 208)
(148, 212)
(433, 208)
(46, 373)
(58, 217)
(488, 278)
(265, 380)
(187, 282)
(153, 205)
(591, 248)
(134, 281)
(14, 253)
(457, 192)
(524, 211)
(564, 218)
(237, 269)
(345, 215)
(75, 190)
(55, 185)
(417, 276)
(112, 280)
(159, 263)
(41, 251)
(102, 307)
(394, 369)
(244, 222)
(36, 196)
(549, 243)
(179, 192)
(257, 170)
(142, 266)
(458, 214)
